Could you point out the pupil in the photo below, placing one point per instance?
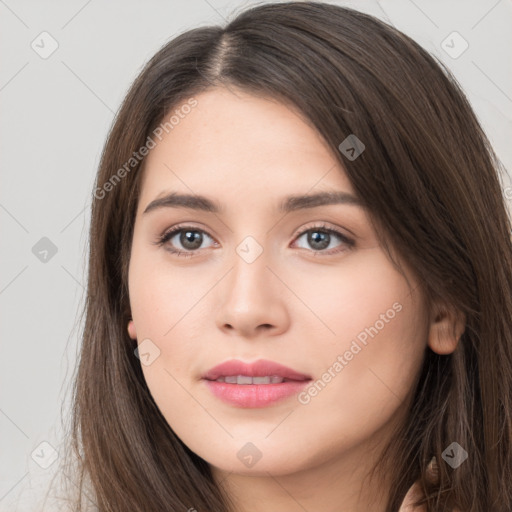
(191, 239)
(315, 239)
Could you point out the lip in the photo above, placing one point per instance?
(254, 395)
(260, 368)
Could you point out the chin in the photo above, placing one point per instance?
(277, 464)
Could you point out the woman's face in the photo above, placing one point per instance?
(255, 281)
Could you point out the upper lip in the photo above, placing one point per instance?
(260, 368)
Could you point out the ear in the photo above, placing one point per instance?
(131, 330)
(447, 325)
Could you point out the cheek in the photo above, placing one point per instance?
(165, 302)
(362, 393)
(360, 296)
(161, 297)
(373, 343)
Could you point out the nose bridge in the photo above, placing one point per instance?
(249, 298)
(250, 274)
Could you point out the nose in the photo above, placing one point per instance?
(252, 299)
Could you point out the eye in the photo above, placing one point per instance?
(190, 238)
(320, 237)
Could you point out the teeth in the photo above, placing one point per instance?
(245, 379)
(261, 380)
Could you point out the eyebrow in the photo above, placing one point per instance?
(289, 204)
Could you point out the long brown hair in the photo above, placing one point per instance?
(431, 182)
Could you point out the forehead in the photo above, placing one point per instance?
(232, 140)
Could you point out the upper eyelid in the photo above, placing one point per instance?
(323, 226)
(184, 227)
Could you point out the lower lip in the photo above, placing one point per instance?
(254, 395)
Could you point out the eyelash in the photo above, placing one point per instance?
(168, 235)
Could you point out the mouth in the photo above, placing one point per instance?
(254, 385)
(247, 379)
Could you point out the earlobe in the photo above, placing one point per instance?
(131, 330)
(446, 329)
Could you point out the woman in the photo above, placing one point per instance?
(304, 186)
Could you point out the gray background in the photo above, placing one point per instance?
(56, 112)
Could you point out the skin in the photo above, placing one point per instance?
(292, 305)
